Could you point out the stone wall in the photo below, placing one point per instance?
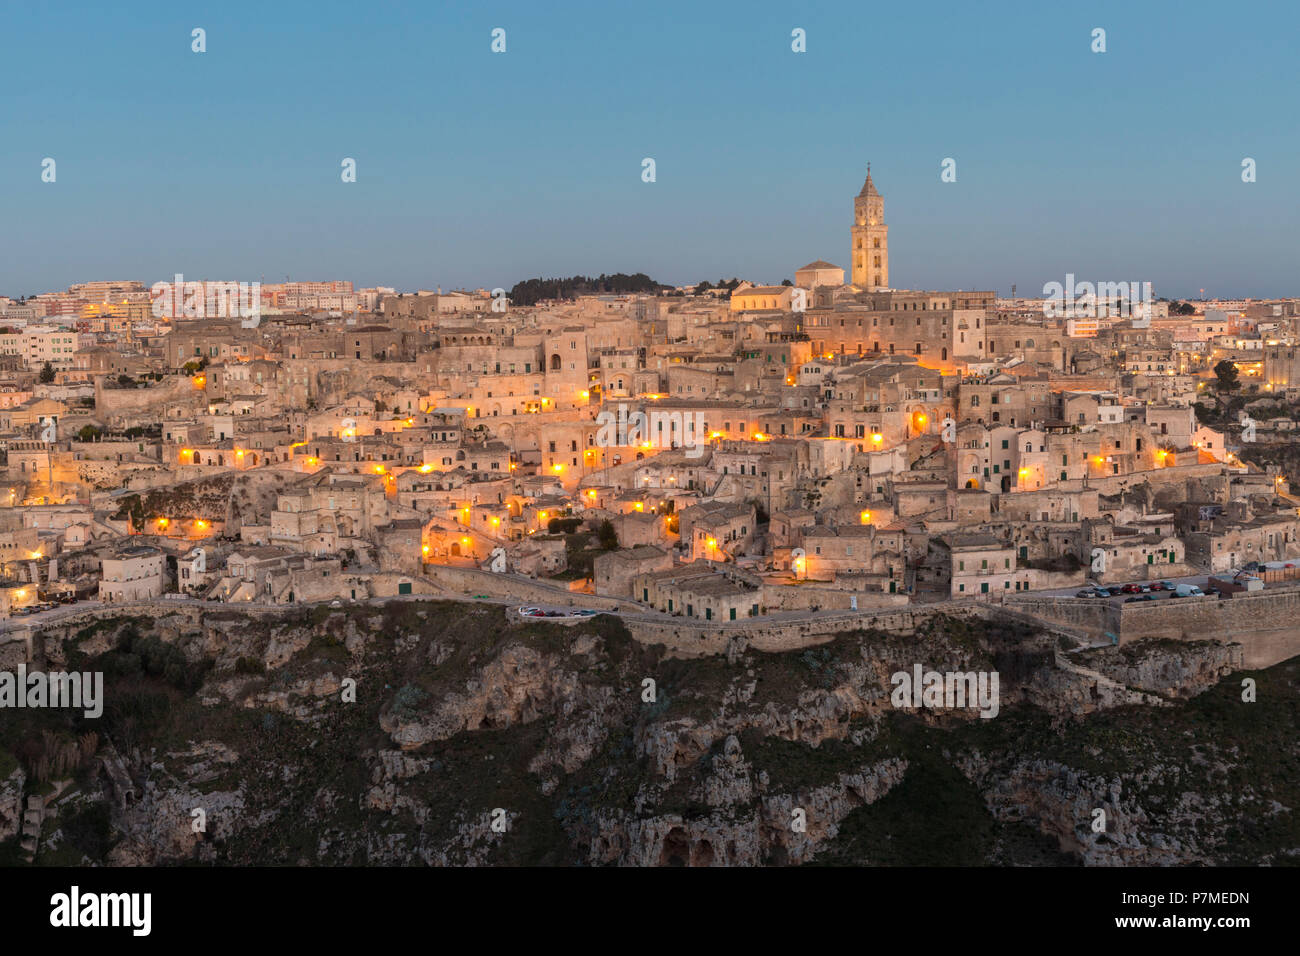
(117, 405)
(513, 588)
(1091, 616)
(686, 638)
(1266, 623)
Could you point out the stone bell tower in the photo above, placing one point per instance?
(870, 252)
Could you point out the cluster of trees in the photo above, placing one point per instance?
(728, 284)
(532, 291)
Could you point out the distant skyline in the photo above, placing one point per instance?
(477, 169)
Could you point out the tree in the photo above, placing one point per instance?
(607, 535)
(1226, 372)
(786, 282)
(47, 373)
(89, 433)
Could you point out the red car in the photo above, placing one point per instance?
(1131, 589)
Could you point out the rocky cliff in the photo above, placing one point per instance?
(454, 734)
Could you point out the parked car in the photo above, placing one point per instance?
(1131, 589)
(1141, 597)
(1157, 586)
(1188, 590)
(1086, 593)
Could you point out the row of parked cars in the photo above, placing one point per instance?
(38, 608)
(1143, 592)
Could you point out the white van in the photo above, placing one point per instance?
(1188, 590)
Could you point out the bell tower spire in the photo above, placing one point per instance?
(870, 238)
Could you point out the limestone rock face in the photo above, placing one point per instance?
(780, 828)
(1169, 668)
(11, 804)
(162, 825)
(476, 738)
(1064, 805)
(518, 687)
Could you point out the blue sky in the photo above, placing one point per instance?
(482, 169)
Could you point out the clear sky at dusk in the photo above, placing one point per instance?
(482, 169)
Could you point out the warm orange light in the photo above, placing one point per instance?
(464, 540)
(311, 461)
(162, 522)
(379, 469)
(866, 517)
(495, 522)
(425, 469)
(541, 515)
(585, 394)
(200, 523)
(711, 543)
(645, 444)
(425, 549)
(1024, 472)
(877, 438)
(639, 506)
(592, 494)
